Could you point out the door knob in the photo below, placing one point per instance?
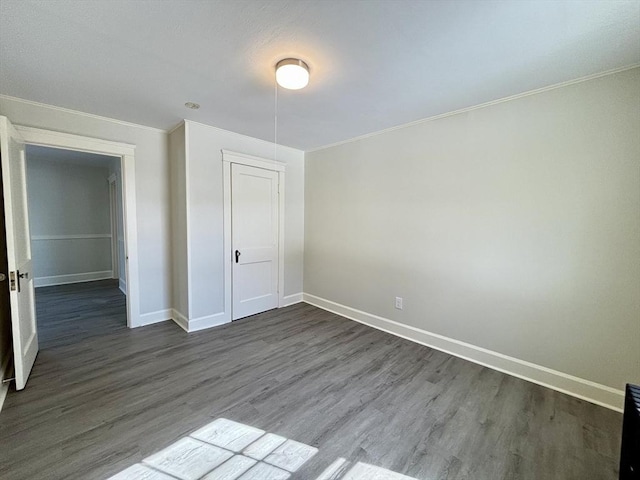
(3, 277)
(237, 255)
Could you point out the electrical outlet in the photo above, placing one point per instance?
(399, 303)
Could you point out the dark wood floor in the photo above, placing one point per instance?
(101, 397)
(66, 313)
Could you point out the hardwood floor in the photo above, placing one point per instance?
(102, 397)
(66, 313)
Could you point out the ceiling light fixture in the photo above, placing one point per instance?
(192, 106)
(292, 73)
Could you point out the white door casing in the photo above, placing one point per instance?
(21, 294)
(254, 231)
(113, 212)
(256, 282)
(126, 152)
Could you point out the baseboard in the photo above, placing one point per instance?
(122, 285)
(72, 278)
(291, 299)
(155, 317)
(5, 372)
(578, 387)
(209, 321)
(200, 323)
(180, 319)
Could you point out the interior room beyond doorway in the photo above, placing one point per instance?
(76, 220)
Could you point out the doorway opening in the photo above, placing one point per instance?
(76, 223)
(13, 142)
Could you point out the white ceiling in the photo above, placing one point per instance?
(374, 64)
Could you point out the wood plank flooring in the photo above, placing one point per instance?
(102, 397)
(66, 313)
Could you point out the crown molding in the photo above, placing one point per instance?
(84, 114)
(477, 107)
(181, 123)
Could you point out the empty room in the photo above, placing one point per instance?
(323, 240)
(75, 221)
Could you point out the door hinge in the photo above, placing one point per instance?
(12, 280)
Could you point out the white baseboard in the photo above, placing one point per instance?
(5, 372)
(209, 321)
(122, 285)
(180, 319)
(72, 278)
(200, 323)
(155, 317)
(291, 299)
(578, 387)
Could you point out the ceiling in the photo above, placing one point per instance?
(70, 157)
(374, 63)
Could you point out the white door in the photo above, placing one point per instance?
(254, 231)
(21, 294)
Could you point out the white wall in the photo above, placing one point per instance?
(514, 227)
(161, 256)
(68, 204)
(205, 213)
(152, 186)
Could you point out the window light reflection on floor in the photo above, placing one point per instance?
(227, 450)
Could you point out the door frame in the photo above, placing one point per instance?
(126, 153)
(113, 209)
(228, 158)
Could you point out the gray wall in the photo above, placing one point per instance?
(197, 205)
(177, 155)
(68, 201)
(514, 227)
(152, 186)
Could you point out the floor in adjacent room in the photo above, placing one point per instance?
(67, 314)
(102, 398)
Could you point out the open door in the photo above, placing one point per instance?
(21, 289)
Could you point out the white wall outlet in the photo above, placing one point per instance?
(399, 303)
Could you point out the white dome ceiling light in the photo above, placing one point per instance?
(292, 73)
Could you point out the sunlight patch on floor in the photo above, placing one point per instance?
(227, 450)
